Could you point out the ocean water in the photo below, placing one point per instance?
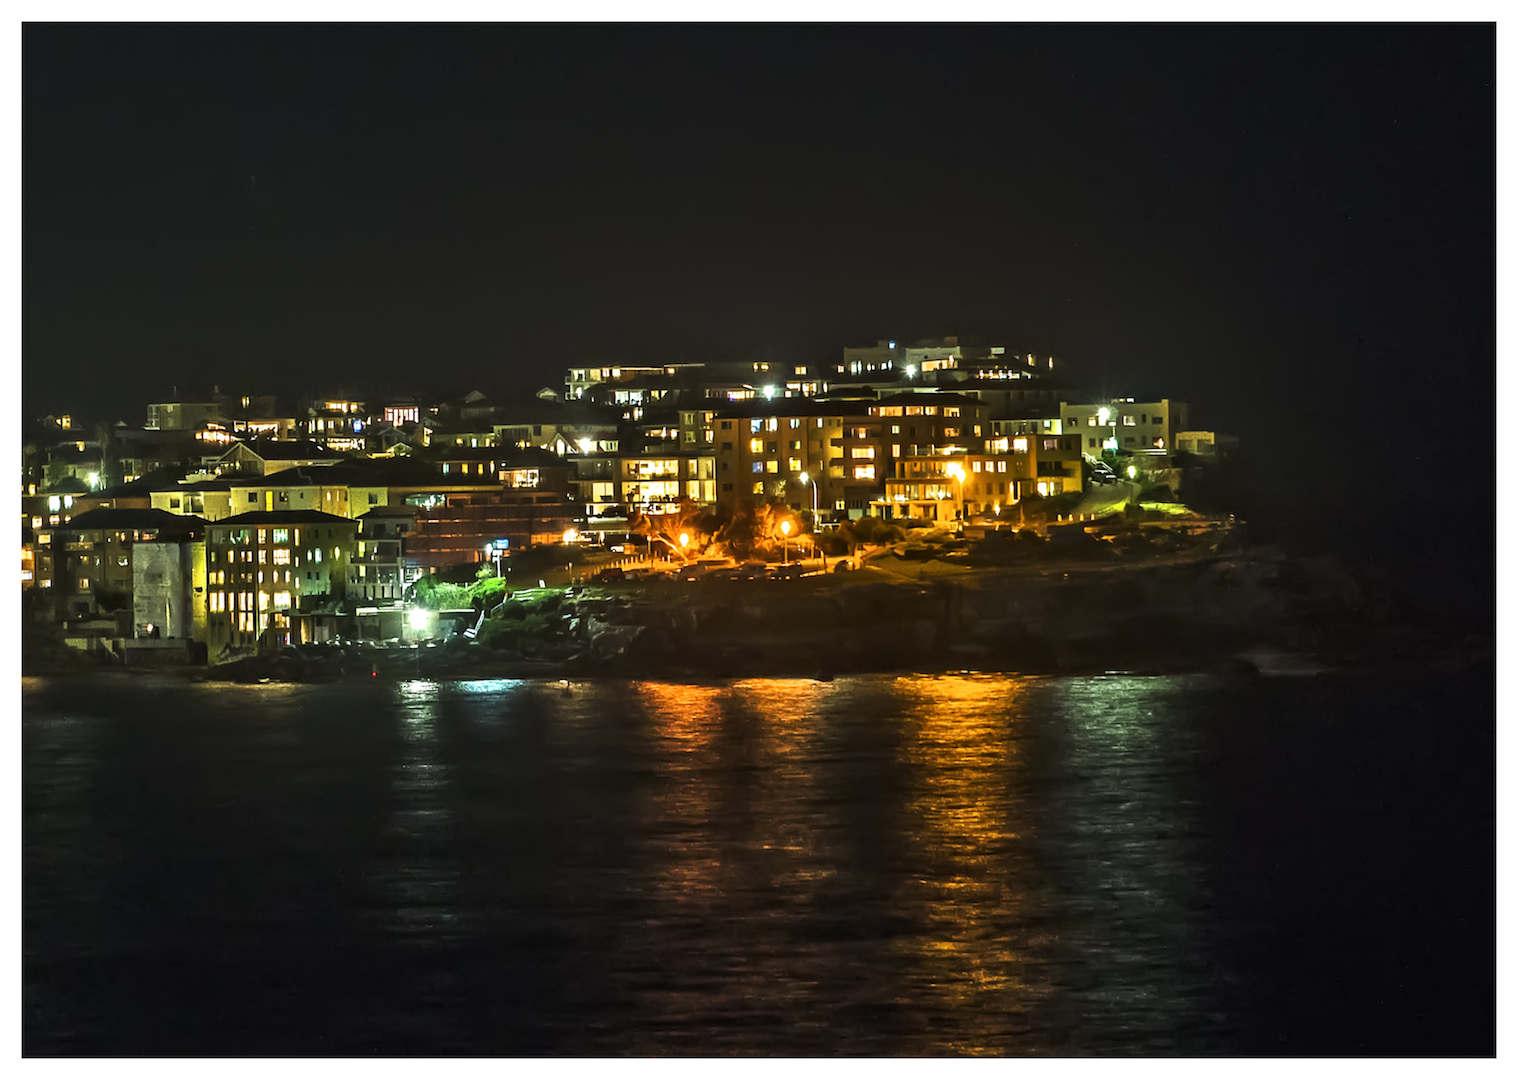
(879, 865)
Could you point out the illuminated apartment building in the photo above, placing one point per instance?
(266, 571)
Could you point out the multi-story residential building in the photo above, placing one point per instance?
(764, 447)
(563, 428)
(947, 488)
(266, 569)
(932, 424)
(337, 423)
(1125, 424)
(883, 360)
(581, 379)
(209, 499)
(378, 572)
(457, 530)
(87, 561)
(697, 430)
(183, 415)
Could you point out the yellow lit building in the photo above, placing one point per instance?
(264, 569)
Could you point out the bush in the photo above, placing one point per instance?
(502, 631)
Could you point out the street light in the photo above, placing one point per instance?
(785, 550)
(957, 471)
(1101, 416)
(805, 479)
(684, 540)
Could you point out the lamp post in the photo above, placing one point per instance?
(957, 471)
(785, 549)
(684, 540)
(805, 479)
(1102, 415)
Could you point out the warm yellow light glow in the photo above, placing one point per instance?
(571, 536)
(684, 539)
(785, 527)
(956, 470)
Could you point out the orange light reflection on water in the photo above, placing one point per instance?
(978, 955)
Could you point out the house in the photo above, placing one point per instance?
(259, 457)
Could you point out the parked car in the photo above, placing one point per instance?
(609, 574)
(785, 571)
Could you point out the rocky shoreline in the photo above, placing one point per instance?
(1250, 611)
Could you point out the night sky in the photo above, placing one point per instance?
(1291, 227)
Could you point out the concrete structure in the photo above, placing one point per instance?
(169, 590)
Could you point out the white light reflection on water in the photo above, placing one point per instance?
(417, 885)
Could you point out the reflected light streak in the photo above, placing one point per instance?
(977, 954)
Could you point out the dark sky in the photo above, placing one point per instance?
(1290, 226)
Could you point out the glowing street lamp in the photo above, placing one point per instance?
(957, 471)
(684, 540)
(1102, 416)
(785, 533)
(805, 479)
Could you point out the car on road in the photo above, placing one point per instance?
(608, 575)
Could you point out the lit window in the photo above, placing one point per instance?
(756, 446)
(864, 472)
(772, 466)
(794, 464)
(863, 452)
(758, 487)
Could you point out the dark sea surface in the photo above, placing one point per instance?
(879, 865)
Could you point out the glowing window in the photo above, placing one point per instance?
(756, 446)
(864, 472)
(772, 466)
